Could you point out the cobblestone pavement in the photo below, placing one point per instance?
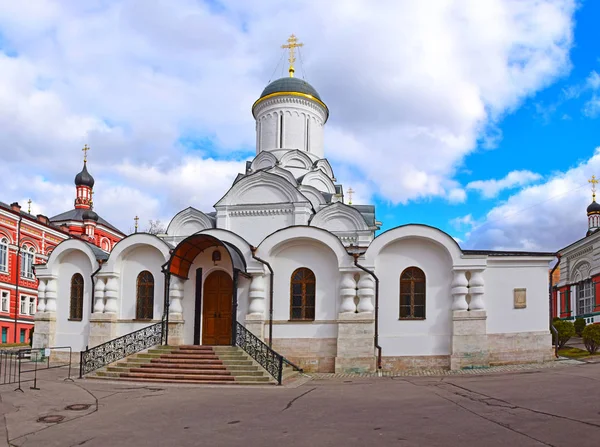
(554, 404)
(444, 372)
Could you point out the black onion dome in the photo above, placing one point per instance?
(286, 85)
(90, 214)
(594, 207)
(84, 178)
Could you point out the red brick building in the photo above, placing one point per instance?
(26, 240)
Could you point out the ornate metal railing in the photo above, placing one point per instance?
(271, 361)
(119, 348)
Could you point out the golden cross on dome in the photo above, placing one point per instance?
(29, 207)
(292, 45)
(594, 182)
(85, 150)
(350, 192)
(136, 223)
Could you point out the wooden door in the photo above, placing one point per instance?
(216, 314)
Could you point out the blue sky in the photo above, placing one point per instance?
(480, 118)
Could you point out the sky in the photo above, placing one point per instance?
(479, 118)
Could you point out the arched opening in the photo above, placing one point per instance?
(76, 301)
(412, 294)
(302, 295)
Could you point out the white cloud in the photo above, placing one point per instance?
(134, 79)
(593, 80)
(547, 216)
(464, 222)
(491, 188)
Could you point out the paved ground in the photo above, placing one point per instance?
(553, 406)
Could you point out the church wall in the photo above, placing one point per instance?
(311, 344)
(429, 337)
(517, 335)
(68, 332)
(294, 130)
(135, 261)
(255, 228)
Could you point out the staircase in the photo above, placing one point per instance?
(214, 365)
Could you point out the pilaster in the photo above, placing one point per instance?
(45, 330)
(355, 343)
(103, 328)
(176, 324)
(469, 339)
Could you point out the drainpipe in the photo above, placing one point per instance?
(166, 303)
(552, 328)
(17, 299)
(355, 256)
(93, 286)
(262, 261)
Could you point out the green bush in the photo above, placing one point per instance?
(566, 330)
(591, 337)
(579, 326)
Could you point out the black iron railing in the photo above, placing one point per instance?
(119, 348)
(270, 360)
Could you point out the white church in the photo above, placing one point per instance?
(287, 257)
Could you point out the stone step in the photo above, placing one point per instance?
(189, 356)
(144, 375)
(181, 366)
(191, 382)
(176, 361)
(171, 371)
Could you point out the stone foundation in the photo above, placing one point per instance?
(44, 333)
(255, 323)
(103, 328)
(469, 340)
(175, 337)
(520, 347)
(310, 354)
(400, 363)
(355, 347)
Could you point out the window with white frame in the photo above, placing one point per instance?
(585, 297)
(23, 308)
(3, 254)
(5, 303)
(27, 255)
(32, 305)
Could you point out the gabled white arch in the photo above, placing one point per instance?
(261, 188)
(298, 233)
(415, 231)
(263, 160)
(252, 265)
(319, 180)
(323, 165)
(296, 159)
(189, 221)
(314, 195)
(131, 242)
(62, 250)
(339, 217)
(284, 173)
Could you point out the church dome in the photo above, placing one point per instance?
(593, 208)
(84, 178)
(90, 215)
(290, 85)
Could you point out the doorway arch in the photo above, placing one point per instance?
(217, 309)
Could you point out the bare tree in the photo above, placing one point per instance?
(155, 227)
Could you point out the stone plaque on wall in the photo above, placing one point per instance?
(520, 298)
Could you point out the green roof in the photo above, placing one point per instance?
(290, 85)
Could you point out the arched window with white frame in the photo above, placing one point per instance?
(3, 254)
(27, 257)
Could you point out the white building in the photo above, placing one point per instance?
(285, 256)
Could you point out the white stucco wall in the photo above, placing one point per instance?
(500, 281)
(431, 336)
(316, 256)
(136, 260)
(73, 333)
(255, 228)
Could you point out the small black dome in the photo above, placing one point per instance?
(84, 178)
(90, 215)
(593, 208)
(288, 84)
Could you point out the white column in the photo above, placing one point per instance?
(366, 292)
(257, 295)
(111, 294)
(476, 289)
(347, 293)
(51, 295)
(41, 307)
(459, 290)
(175, 296)
(99, 295)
